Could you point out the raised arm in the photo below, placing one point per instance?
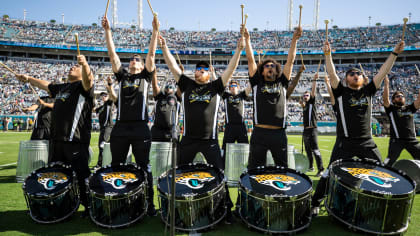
(385, 95)
(155, 85)
(417, 101)
(334, 80)
(248, 89)
(150, 58)
(288, 67)
(31, 108)
(212, 73)
(41, 84)
(110, 89)
(294, 82)
(328, 85)
(170, 59)
(234, 61)
(113, 57)
(87, 75)
(386, 67)
(313, 91)
(45, 104)
(252, 66)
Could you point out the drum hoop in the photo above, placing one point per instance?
(372, 193)
(362, 229)
(279, 198)
(141, 216)
(139, 189)
(194, 198)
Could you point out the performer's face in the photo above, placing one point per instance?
(399, 99)
(270, 71)
(202, 74)
(306, 97)
(104, 97)
(136, 64)
(355, 79)
(233, 88)
(75, 73)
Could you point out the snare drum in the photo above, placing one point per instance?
(33, 154)
(370, 197)
(199, 198)
(160, 158)
(107, 157)
(51, 193)
(117, 195)
(275, 199)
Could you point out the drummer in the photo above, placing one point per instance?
(200, 100)
(42, 126)
(71, 119)
(354, 106)
(403, 132)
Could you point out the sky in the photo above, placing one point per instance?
(220, 14)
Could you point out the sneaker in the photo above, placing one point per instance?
(319, 173)
(311, 169)
(229, 218)
(315, 211)
(151, 211)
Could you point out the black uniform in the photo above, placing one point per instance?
(269, 109)
(235, 130)
(72, 122)
(354, 134)
(166, 107)
(403, 133)
(105, 124)
(131, 125)
(310, 134)
(42, 125)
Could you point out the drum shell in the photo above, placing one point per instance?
(160, 158)
(372, 212)
(53, 207)
(195, 212)
(33, 154)
(276, 213)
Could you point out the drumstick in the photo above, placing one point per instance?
(361, 68)
(319, 66)
(106, 10)
(300, 13)
(301, 57)
(264, 54)
(326, 29)
(246, 17)
(177, 57)
(242, 13)
(418, 71)
(210, 58)
(404, 26)
(259, 56)
(151, 8)
(8, 68)
(76, 35)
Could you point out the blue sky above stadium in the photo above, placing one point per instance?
(220, 14)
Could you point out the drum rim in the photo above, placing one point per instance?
(61, 191)
(417, 186)
(370, 192)
(141, 216)
(140, 187)
(275, 196)
(197, 195)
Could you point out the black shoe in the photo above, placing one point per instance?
(85, 213)
(311, 169)
(151, 211)
(315, 211)
(319, 173)
(229, 218)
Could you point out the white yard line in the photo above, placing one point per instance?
(299, 147)
(10, 164)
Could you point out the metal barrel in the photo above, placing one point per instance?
(33, 154)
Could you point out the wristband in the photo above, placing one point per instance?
(109, 84)
(394, 53)
(328, 53)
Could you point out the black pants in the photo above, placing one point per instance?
(345, 149)
(40, 134)
(104, 137)
(397, 145)
(234, 133)
(77, 155)
(263, 140)
(140, 142)
(161, 135)
(210, 148)
(310, 138)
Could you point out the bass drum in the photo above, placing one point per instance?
(411, 168)
(199, 198)
(117, 195)
(370, 197)
(51, 193)
(275, 199)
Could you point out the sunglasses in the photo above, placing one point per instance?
(354, 73)
(199, 68)
(233, 85)
(135, 59)
(399, 96)
(270, 66)
(306, 95)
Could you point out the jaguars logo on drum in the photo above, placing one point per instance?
(277, 181)
(194, 180)
(119, 180)
(50, 180)
(376, 177)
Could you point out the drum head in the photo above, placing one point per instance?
(275, 181)
(48, 180)
(116, 180)
(371, 178)
(411, 168)
(192, 179)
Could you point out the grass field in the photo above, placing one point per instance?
(14, 219)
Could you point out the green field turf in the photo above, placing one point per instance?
(14, 219)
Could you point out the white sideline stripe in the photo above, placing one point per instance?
(10, 164)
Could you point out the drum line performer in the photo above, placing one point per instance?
(310, 131)
(42, 123)
(132, 116)
(71, 120)
(354, 107)
(403, 131)
(105, 115)
(295, 81)
(200, 101)
(269, 84)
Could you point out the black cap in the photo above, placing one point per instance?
(202, 63)
(103, 94)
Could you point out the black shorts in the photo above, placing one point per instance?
(263, 140)
(161, 135)
(235, 133)
(41, 134)
(363, 148)
(210, 148)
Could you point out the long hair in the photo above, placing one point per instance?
(260, 67)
